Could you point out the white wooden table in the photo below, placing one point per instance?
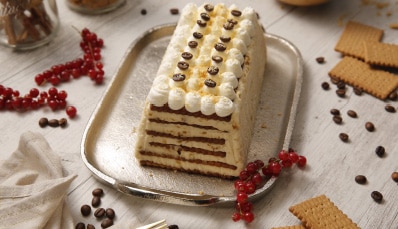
(332, 164)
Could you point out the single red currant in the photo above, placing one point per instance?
(71, 111)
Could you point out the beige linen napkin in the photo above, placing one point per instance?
(33, 187)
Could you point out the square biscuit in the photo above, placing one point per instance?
(381, 54)
(290, 227)
(320, 213)
(350, 41)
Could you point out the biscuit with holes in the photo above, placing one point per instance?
(350, 42)
(361, 75)
(320, 213)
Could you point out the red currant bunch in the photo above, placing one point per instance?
(250, 179)
(90, 64)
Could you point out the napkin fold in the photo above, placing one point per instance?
(33, 188)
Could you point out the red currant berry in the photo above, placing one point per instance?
(287, 163)
(267, 171)
(250, 187)
(293, 157)
(53, 104)
(257, 178)
(239, 185)
(244, 175)
(54, 80)
(39, 79)
(283, 155)
(241, 197)
(275, 168)
(71, 111)
(302, 162)
(62, 95)
(259, 163)
(236, 216)
(246, 207)
(52, 92)
(248, 217)
(251, 167)
(34, 92)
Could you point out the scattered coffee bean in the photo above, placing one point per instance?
(360, 179)
(344, 137)
(174, 11)
(110, 213)
(394, 176)
(358, 91)
(85, 210)
(106, 223)
(334, 80)
(187, 55)
(99, 213)
(377, 196)
(393, 96)
(209, 7)
(173, 226)
(143, 12)
(217, 59)
(212, 70)
(390, 108)
(178, 77)
(53, 123)
(205, 16)
(341, 85)
(197, 35)
(80, 226)
(380, 151)
(210, 83)
(352, 113)
(325, 85)
(98, 192)
(220, 47)
(369, 126)
(96, 201)
(320, 60)
(90, 226)
(201, 23)
(192, 44)
(63, 122)
(340, 93)
(335, 111)
(182, 65)
(337, 119)
(225, 39)
(236, 13)
(43, 122)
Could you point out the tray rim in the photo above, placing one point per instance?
(188, 199)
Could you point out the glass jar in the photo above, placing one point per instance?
(28, 24)
(94, 6)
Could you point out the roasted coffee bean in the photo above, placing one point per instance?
(193, 44)
(178, 77)
(337, 119)
(357, 91)
(352, 113)
(369, 126)
(182, 65)
(201, 23)
(236, 13)
(98, 192)
(217, 59)
(187, 55)
(340, 85)
(53, 123)
(320, 60)
(390, 108)
(225, 39)
(325, 86)
(360, 179)
(110, 213)
(63, 122)
(210, 83)
(380, 151)
(340, 92)
(96, 201)
(80, 226)
(377, 196)
(143, 12)
(344, 137)
(228, 26)
(220, 47)
(235, 22)
(90, 226)
(205, 16)
(99, 213)
(85, 210)
(106, 223)
(197, 35)
(173, 226)
(393, 96)
(213, 70)
(209, 7)
(394, 176)
(334, 80)
(43, 122)
(174, 11)
(335, 111)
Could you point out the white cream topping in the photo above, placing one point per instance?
(192, 93)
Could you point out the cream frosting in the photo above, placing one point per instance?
(192, 93)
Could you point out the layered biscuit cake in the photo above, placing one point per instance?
(200, 110)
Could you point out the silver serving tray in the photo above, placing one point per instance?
(108, 142)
